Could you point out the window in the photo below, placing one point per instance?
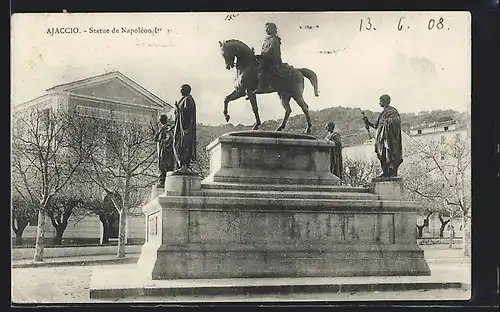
(102, 113)
(446, 128)
(419, 131)
(95, 112)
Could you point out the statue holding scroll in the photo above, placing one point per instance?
(388, 144)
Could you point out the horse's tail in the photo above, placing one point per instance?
(313, 78)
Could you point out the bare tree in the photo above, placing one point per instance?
(43, 161)
(440, 174)
(359, 172)
(75, 202)
(202, 163)
(108, 216)
(23, 211)
(420, 227)
(123, 167)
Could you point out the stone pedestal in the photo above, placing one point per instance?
(156, 191)
(390, 188)
(271, 208)
(182, 183)
(270, 158)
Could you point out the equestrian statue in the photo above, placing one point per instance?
(266, 73)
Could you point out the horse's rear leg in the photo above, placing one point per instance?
(231, 97)
(305, 108)
(255, 109)
(285, 102)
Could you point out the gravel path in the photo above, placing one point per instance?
(70, 284)
(444, 294)
(51, 284)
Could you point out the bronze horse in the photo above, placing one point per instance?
(246, 81)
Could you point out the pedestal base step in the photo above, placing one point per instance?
(108, 283)
(282, 187)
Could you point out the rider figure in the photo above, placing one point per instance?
(270, 59)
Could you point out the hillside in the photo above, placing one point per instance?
(348, 122)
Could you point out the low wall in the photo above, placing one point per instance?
(29, 242)
(28, 253)
(438, 241)
(86, 231)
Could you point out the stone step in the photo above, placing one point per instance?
(313, 204)
(126, 282)
(321, 194)
(283, 187)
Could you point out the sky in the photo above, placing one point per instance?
(420, 68)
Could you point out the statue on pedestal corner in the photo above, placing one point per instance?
(388, 144)
(164, 138)
(185, 130)
(336, 155)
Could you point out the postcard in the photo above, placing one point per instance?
(241, 156)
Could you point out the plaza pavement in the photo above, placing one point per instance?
(448, 266)
(432, 253)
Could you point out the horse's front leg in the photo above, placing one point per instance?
(236, 94)
(255, 109)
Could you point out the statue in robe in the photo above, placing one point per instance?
(185, 129)
(164, 139)
(336, 154)
(388, 144)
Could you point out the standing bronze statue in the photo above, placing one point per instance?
(185, 129)
(336, 155)
(164, 138)
(388, 145)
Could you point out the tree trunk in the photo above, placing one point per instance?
(420, 230)
(122, 234)
(466, 235)
(443, 226)
(122, 229)
(40, 235)
(19, 238)
(18, 227)
(452, 233)
(59, 234)
(441, 229)
(105, 228)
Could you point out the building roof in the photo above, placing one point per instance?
(67, 87)
(434, 125)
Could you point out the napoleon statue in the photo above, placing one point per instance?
(388, 144)
(270, 64)
(185, 130)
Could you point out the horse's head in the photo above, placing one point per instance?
(235, 49)
(228, 54)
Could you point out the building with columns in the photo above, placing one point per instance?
(100, 95)
(110, 95)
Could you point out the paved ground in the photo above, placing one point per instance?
(75, 261)
(432, 252)
(70, 283)
(445, 294)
